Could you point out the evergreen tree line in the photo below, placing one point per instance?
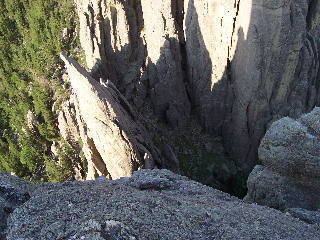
(30, 43)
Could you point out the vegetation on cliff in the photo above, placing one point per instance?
(30, 40)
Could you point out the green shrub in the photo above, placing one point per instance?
(30, 40)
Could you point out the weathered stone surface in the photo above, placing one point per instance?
(13, 193)
(274, 190)
(135, 44)
(166, 81)
(31, 120)
(246, 63)
(312, 217)
(290, 177)
(292, 147)
(250, 63)
(74, 130)
(152, 204)
(112, 124)
(208, 30)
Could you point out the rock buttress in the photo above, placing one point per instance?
(111, 123)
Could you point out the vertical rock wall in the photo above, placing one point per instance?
(240, 64)
(135, 44)
(265, 66)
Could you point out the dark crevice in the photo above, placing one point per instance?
(237, 6)
(114, 20)
(177, 8)
(97, 159)
(312, 11)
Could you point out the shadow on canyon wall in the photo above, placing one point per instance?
(213, 103)
(260, 84)
(239, 106)
(164, 80)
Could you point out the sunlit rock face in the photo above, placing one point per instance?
(136, 45)
(240, 65)
(112, 126)
(74, 130)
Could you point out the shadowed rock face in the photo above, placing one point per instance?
(243, 64)
(258, 62)
(290, 153)
(13, 193)
(135, 44)
(112, 125)
(152, 204)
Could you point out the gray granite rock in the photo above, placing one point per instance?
(152, 204)
(290, 153)
(240, 64)
(112, 125)
(268, 188)
(312, 217)
(13, 193)
(251, 63)
(292, 147)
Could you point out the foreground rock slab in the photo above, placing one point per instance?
(152, 204)
(13, 193)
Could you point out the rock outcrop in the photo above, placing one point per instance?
(13, 193)
(290, 153)
(240, 64)
(136, 45)
(152, 204)
(112, 126)
(73, 129)
(312, 217)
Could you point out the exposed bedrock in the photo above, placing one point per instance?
(240, 64)
(259, 62)
(112, 125)
(290, 153)
(13, 193)
(152, 204)
(136, 45)
(74, 130)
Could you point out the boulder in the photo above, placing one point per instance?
(152, 204)
(292, 147)
(290, 153)
(271, 189)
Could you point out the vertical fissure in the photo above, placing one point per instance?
(179, 15)
(237, 6)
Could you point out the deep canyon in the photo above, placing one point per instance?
(225, 93)
(235, 66)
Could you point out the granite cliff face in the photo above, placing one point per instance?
(237, 65)
(122, 144)
(152, 204)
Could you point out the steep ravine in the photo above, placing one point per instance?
(237, 66)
